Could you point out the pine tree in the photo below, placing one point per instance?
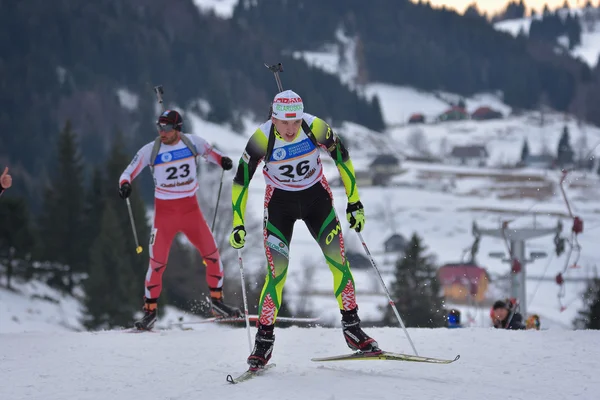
(94, 204)
(589, 317)
(564, 154)
(61, 223)
(115, 165)
(376, 121)
(525, 151)
(16, 236)
(415, 289)
(573, 29)
(109, 289)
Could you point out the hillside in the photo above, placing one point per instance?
(588, 51)
(214, 54)
(60, 65)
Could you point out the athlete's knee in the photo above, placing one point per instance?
(212, 257)
(274, 244)
(332, 235)
(153, 282)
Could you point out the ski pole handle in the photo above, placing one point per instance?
(138, 248)
(159, 92)
(276, 69)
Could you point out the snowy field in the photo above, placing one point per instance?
(181, 365)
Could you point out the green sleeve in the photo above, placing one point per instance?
(327, 138)
(255, 151)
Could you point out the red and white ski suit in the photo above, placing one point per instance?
(176, 208)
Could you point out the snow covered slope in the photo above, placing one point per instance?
(35, 307)
(178, 365)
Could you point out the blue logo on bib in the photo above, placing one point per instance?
(173, 155)
(279, 154)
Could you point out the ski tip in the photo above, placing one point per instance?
(250, 373)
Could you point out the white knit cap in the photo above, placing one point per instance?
(288, 105)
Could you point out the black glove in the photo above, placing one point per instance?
(125, 190)
(226, 163)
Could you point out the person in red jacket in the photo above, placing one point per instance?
(173, 163)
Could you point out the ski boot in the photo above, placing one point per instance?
(220, 309)
(263, 347)
(355, 337)
(149, 318)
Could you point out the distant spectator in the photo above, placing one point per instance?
(5, 181)
(504, 315)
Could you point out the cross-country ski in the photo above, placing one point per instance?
(249, 374)
(385, 355)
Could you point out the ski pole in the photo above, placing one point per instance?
(212, 228)
(138, 248)
(245, 299)
(513, 311)
(391, 302)
(276, 69)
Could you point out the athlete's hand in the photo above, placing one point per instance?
(237, 239)
(355, 214)
(226, 163)
(125, 190)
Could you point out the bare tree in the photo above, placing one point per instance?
(385, 212)
(417, 142)
(545, 147)
(444, 147)
(582, 147)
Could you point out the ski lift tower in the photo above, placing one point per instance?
(515, 240)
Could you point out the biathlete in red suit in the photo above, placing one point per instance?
(176, 209)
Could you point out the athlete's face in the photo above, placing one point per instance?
(287, 129)
(168, 135)
(499, 315)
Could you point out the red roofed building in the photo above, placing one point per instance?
(460, 281)
(417, 118)
(485, 113)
